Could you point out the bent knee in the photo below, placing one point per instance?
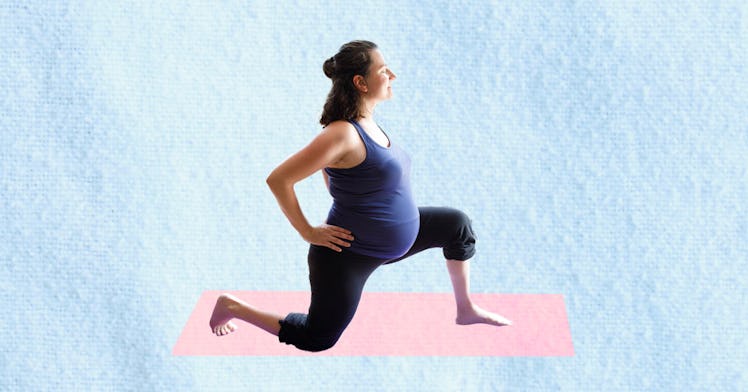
(321, 344)
(462, 245)
(461, 219)
(460, 225)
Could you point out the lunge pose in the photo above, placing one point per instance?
(373, 220)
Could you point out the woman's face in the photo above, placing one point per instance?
(378, 81)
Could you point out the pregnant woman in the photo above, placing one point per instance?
(373, 220)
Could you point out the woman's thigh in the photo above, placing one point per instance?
(446, 228)
(336, 280)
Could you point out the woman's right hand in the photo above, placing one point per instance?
(329, 236)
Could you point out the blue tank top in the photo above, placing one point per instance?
(374, 201)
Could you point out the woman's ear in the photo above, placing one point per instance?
(360, 83)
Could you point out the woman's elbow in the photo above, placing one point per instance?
(276, 181)
(272, 181)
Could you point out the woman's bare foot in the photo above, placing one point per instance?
(220, 321)
(476, 315)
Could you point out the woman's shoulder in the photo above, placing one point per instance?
(341, 130)
(345, 137)
(339, 124)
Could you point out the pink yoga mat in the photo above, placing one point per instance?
(396, 324)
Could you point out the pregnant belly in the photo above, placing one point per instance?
(385, 239)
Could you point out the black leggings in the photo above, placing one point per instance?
(337, 279)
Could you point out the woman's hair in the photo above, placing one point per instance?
(343, 100)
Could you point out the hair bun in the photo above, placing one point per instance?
(329, 67)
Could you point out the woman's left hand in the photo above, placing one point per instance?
(330, 236)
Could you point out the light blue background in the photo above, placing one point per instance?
(600, 148)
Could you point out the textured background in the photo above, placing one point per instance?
(600, 148)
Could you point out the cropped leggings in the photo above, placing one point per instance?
(337, 279)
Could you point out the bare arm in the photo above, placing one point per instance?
(328, 147)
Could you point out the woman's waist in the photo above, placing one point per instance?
(390, 215)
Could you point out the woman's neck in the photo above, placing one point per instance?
(366, 120)
(367, 111)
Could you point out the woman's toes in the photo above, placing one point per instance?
(224, 329)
